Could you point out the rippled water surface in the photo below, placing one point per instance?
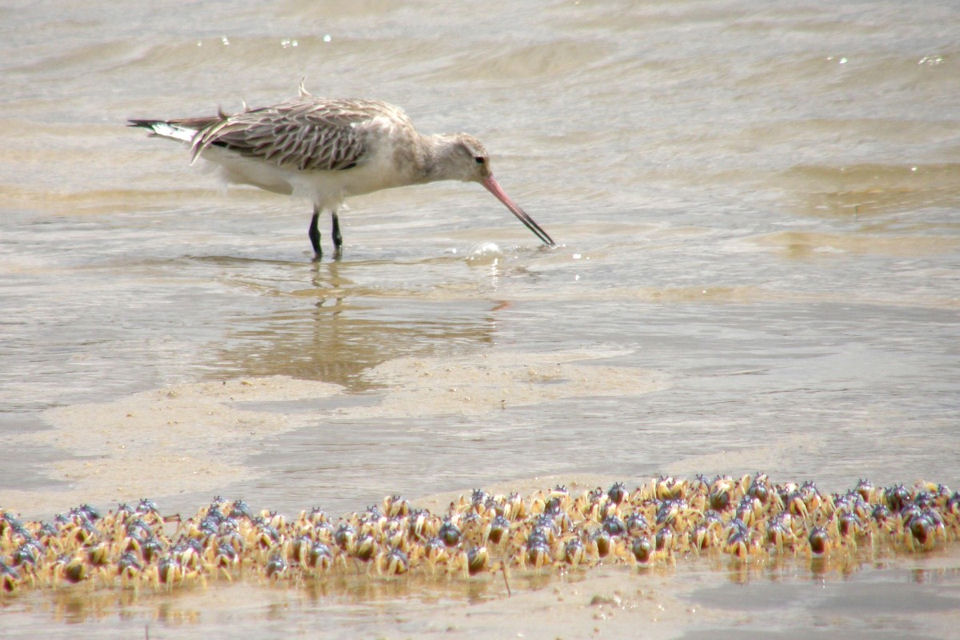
(758, 213)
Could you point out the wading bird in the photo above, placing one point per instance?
(329, 149)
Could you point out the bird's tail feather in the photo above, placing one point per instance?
(165, 129)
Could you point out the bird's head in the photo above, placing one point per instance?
(463, 157)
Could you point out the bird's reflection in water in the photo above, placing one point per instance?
(336, 330)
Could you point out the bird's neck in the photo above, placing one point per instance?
(437, 164)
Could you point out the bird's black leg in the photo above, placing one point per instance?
(314, 234)
(337, 238)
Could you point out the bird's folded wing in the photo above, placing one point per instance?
(297, 135)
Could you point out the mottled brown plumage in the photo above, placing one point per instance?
(310, 135)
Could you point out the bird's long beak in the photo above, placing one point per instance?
(494, 187)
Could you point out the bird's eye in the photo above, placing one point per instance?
(479, 159)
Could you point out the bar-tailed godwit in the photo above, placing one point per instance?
(329, 149)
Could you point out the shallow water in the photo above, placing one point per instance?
(759, 260)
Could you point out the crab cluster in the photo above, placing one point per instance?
(749, 519)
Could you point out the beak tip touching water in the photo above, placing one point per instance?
(494, 187)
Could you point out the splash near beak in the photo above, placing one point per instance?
(494, 187)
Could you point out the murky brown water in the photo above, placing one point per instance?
(759, 268)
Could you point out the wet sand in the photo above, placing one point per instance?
(197, 438)
(157, 443)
